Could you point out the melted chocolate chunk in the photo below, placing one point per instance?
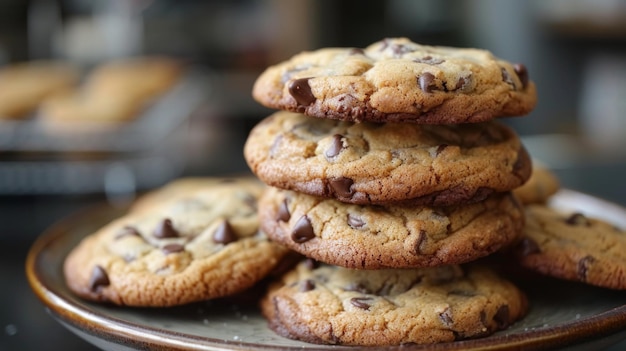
(502, 316)
(335, 146)
(172, 248)
(355, 222)
(419, 243)
(522, 73)
(429, 60)
(463, 83)
(342, 186)
(165, 229)
(583, 266)
(360, 302)
(356, 51)
(301, 91)
(358, 287)
(425, 82)
(528, 247)
(127, 231)
(446, 317)
(311, 264)
(99, 278)
(577, 219)
(283, 211)
(506, 77)
(307, 285)
(440, 149)
(224, 234)
(303, 230)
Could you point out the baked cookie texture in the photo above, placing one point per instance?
(204, 245)
(334, 305)
(573, 246)
(389, 236)
(24, 86)
(540, 186)
(116, 91)
(370, 163)
(396, 80)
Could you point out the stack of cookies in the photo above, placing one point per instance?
(388, 171)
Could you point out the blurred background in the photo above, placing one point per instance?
(575, 51)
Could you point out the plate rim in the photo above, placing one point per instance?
(116, 330)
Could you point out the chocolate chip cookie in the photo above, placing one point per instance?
(540, 186)
(204, 245)
(369, 163)
(374, 237)
(23, 86)
(400, 81)
(574, 247)
(334, 305)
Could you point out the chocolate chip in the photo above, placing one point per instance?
(356, 51)
(528, 246)
(577, 219)
(360, 302)
(502, 316)
(301, 91)
(522, 73)
(303, 230)
(342, 186)
(275, 146)
(311, 264)
(419, 243)
(429, 60)
(463, 83)
(283, 211)
(355, 222)
(99, 278)
(583, 266)
(165, 229)
(358, 287)
(172, 248)
(440, 149)
(335, 146)
(127, 231)
(506, 77)
(399, 50)
(446, 317)
(425, 82)
(307, 285)
(464, 293)
(224, 234)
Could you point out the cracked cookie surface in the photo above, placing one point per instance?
(200, 244)
(368, 163)
(573, 246)
(391, 236)
(396, 80)
(332, 305)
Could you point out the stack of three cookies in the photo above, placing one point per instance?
(387, 170)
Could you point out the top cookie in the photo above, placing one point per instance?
(396, 80)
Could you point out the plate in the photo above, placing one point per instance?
(562, 314)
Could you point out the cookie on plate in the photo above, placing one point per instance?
(204, 245)
(573, 247)
(391, 236)
(540, 186)
(368, 163)
(396, 80)
(334, 305)
(24, 86)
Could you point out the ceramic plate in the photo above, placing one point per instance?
(561, 314)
